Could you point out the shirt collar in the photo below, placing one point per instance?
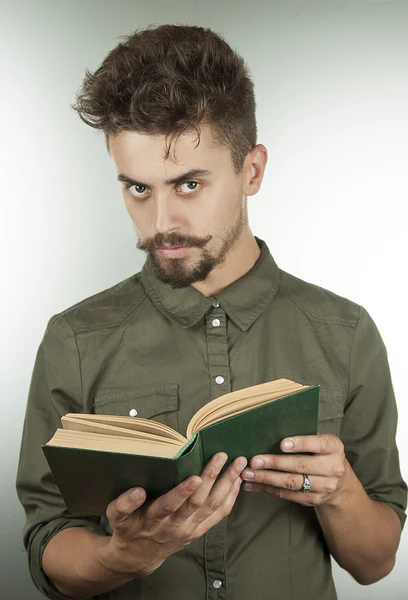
(243, 301)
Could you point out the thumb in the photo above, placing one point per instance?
(119, 509)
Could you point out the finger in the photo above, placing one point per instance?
(296, 463)
(330, 465)
(169, 503)
(223, 511)
(322, 443)
(221, 489)
(209, 475)
(124, 505)
(291, 481)
(309, 499)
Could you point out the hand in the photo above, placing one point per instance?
(145, 534)
(282, 476)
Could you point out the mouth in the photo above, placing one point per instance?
(173, 251)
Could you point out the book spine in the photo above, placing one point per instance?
(192, 461)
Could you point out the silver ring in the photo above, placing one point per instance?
(306, 485)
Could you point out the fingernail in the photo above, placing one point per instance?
(259, 462)
(248, 487)
(241, 463)
(135, 494)
(220, 460)
(194, 484)
(288, 444)
(249, 474)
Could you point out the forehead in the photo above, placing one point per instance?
(135, 152)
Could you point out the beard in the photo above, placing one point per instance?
(178, 272)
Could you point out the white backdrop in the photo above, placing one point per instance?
(331, 81)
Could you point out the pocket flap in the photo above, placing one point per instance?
(330, 404)
(147, 400)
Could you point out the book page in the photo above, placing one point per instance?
(239, 401)
(111, 443)
(130, 424)
(83, 425)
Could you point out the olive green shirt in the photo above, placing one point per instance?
(143, 346)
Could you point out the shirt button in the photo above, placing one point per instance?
(132, 412)
(216, 323)
(220, 379)
(215, 304)
(217, 584)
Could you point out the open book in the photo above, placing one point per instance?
(113, 453)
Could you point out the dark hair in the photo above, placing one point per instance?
(169, 80)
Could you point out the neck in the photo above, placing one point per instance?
(239, 261)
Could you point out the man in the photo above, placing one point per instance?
(210, 312)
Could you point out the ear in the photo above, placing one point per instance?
(254, 168)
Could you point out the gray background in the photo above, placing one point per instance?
(332, 96)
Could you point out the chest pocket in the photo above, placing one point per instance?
(330, 411)
(158, 402)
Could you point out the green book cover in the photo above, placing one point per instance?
(90, 479)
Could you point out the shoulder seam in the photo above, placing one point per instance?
(106, 292)
(110, 324)
(81, 379)
(53, 320)
(351, 351)
(100, 295)
(315, 317)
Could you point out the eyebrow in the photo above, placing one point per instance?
(180, 178)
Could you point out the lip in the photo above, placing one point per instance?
(173, 252)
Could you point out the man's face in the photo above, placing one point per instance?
(188, 226)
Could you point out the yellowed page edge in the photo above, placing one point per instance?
(100, 428)
(221, 414)
(132, 423)
(109, 443)
(250, 397)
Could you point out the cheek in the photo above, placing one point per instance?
(218, 207)
(138, 215)
(128, 204)
(225, 211)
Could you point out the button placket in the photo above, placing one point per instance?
(217, 352)
(220, 383)
(214, 548)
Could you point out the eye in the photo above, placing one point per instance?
(139, 190)
(188, 183)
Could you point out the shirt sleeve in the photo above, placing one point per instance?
(370, 419)
(55, 390)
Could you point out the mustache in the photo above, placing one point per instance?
(172, 239)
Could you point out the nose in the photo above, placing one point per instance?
(165, 219)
